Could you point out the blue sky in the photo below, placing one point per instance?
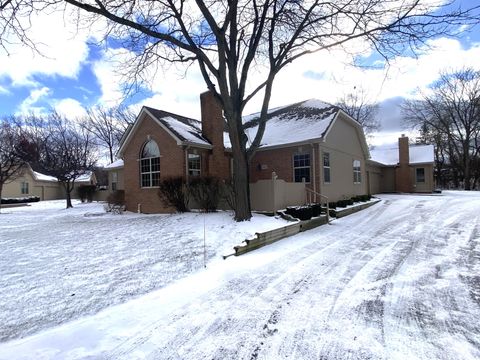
(75, 73)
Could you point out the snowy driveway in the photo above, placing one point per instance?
(399, 280)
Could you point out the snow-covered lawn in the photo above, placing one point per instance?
(57, 265)
(399, 280)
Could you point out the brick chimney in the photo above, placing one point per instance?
(403, 176)
(212, 129)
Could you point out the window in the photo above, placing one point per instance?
(194, 164)
(357, 172)
(420, 175)
(114, 180)
(301, 167)
(150, 165)
(24, 187)
(326, 168)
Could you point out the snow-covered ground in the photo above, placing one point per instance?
(399, 280)
(57, 265)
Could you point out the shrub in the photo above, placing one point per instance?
(316, 209)
(115, 202)
(86, 192)
(206, 191)
(300, 212)
(20, 200)
(174, 192)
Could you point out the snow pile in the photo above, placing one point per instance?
(117, 164)
(43, 177)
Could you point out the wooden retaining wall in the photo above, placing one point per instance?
(269, 237)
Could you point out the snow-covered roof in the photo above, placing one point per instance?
(186, 129)
(419, 154)
(42, 177)
(298, 122)
(114, 165)
(85, 177)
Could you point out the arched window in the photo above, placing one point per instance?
(150, 165)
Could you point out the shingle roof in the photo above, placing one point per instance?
(302, 121)
(186, 129)
(419, 154)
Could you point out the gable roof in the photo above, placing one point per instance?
(419, 154)
(299, 122)
(185, 131)
(305, 121)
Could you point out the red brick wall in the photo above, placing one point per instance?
(172, 163)
(403, 173)
(212, 129)
(280, 160)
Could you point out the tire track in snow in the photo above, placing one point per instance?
(247, 292)
(353, 296)
(418, 308)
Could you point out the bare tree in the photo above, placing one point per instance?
(107, 126)
(452, 111)
(228, 39)
(12, 164)
(361, 108)
(65, 150)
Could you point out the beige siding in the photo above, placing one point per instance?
(428, 185)
(120, 181)
(48, 191)
(374, 179)
(388, 180)
(45, 190)
(344, 146)
(13, 189)
(272, 195)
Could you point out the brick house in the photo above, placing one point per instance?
(310, 144)
(405, 168)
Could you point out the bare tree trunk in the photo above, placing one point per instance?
(466, 172)
(241, 186)
(110, 149)
(68, 194)
(1, 189)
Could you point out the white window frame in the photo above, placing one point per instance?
(302, 167)
(114, 180)
(357, 172)
(147, 164)
(194, 171)
(326, 155)
(24, 188)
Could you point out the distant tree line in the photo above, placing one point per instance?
(56, 145)
(448, 116)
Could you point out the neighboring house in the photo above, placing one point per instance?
(32, 183)
(310, 144)
(406, 168)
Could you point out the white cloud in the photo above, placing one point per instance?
(62, 47)
(69, 107)
(28, 105)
